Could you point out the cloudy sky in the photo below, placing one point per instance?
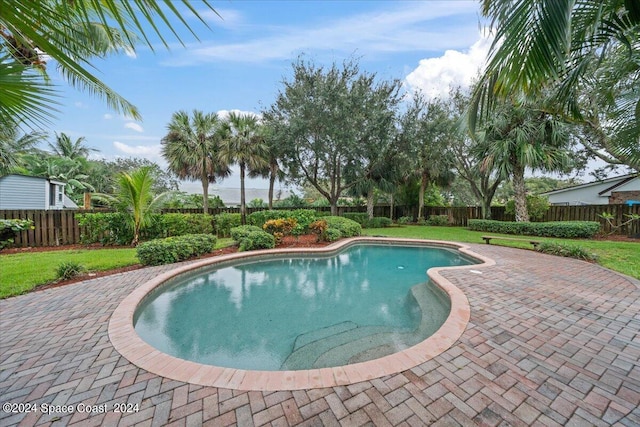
(240, 63)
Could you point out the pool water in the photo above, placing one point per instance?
(362, 303)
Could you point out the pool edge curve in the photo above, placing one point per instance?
(127, 342)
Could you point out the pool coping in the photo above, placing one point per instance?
(127, 342)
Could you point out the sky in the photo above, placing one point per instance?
(242, 60)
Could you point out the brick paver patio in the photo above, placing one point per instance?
(551, 341)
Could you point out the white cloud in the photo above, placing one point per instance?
(419, 26)
(224, 114)
(134, 126)
(80, 104)
(107, 116)
(435, 76)
(224, 18)
(148, 151)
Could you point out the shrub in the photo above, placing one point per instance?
(69, 270)
(225, 221)
(377, 222)
(179, 224)
(257, 240)
(537, 206)
(9, 228)
(438, 220)
(242, 231)
(303, 217)
(174, 249)
(332, 234)
(258, 218)
(111, 228)
(561, 229)
(360, 217)
(561, 249)
(405, 220)
(279, 228)
(347, 227)
(319, 228)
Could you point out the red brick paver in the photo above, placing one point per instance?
(551, 341)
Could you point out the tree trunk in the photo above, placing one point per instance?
(486, 207)
(272, 181)
(334, 206)
(423, 188)
(205, 194)
(370, 203)
(522, 215)
(391, 200)
(243, 207)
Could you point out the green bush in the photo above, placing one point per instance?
(69, 270)
(537, 206)
(303, 217)
(377, 222)
(175, 249)
(347, 227)
(319, 228)
(566, 250)
(560, 229)
(225, 221)
(242, 231)
(179, 224)
(360, 217)
(258, 218)
(111, 228)
(405, 220)
(438, 220)
(9, 228)
(332, 234)
(257, 240)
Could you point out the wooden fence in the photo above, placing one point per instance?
(60, 227)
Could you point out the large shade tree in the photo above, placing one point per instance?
(73, 33)
(243, 144)
(542, 41)
(328, 115)
(192, 149)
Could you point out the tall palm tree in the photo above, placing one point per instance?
(244, 145)
(542, 41)
(14, 144)
(518, 137)
(192, 149)
(272, 170)
(72, 33)
(134, 196)
(65, 147)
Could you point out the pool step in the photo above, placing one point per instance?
(305, 357)
(318, 334)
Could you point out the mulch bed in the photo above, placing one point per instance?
(308, 241)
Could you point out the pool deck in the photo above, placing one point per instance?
(550, 341)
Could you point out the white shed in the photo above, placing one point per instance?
(21, 192)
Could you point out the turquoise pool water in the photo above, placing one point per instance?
(362, 303)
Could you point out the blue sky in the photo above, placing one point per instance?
(240, 63)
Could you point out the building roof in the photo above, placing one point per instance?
(614, 181)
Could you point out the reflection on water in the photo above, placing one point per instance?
(248, 316)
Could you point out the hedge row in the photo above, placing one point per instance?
(115, 228)
(363, 219)
(347, 227)
(251, 237)
(174, 249)
(563, 229)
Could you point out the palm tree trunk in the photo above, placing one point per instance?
(522, 215)
(205, 194)
(243, 206)
(391, 203)
(370, 203)
(272, 181)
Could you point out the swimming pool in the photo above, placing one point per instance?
(294, 313)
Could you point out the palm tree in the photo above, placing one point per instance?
(65, 147)
(71, 33)
(13, 145)
(192, 149)
(243, 144)
(518, 137)
(543, 41)
(134, 196)
(272, 169)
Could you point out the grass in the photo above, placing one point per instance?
(623, 257)
(22, 272)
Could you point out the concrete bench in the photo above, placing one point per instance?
(487, 240)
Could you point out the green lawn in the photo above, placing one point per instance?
(22, 272)
(620, 256)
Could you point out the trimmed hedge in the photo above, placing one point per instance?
(225, 221)
(257, 240)
(561, 229)
(359, 217)
(174, 249)
(347, 227)
(242, 231)
(332, 234)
